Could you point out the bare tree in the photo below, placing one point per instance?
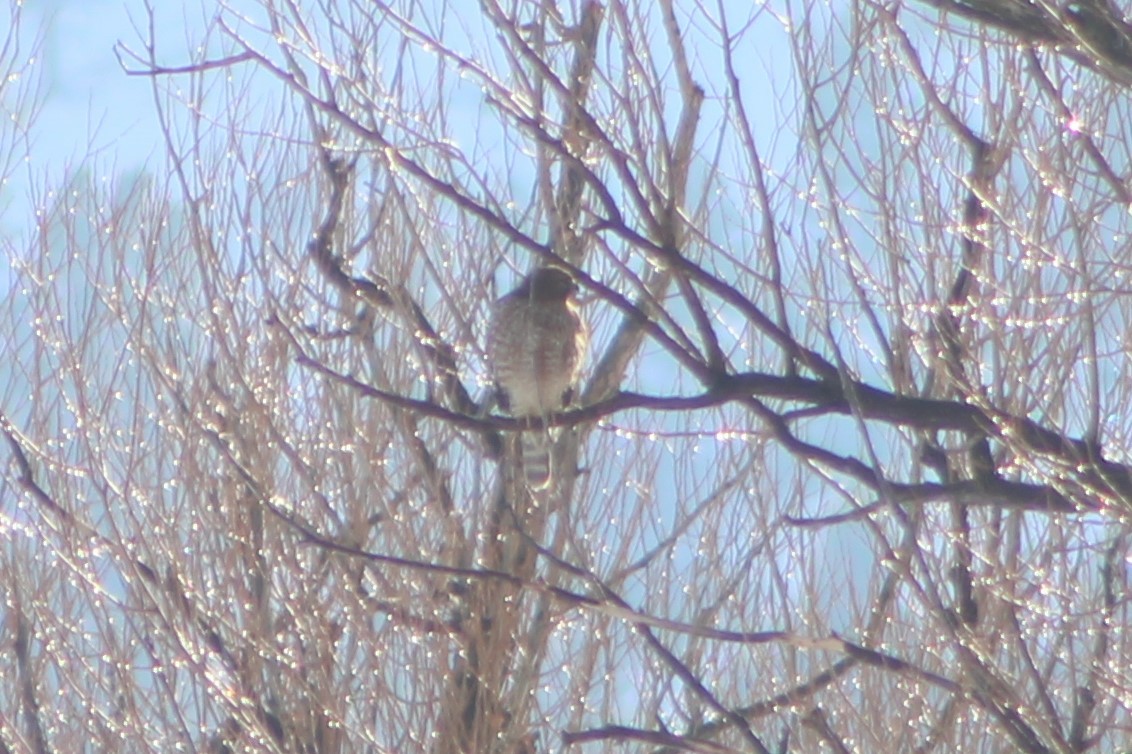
(848, 471)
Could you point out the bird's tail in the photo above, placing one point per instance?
(534, 446)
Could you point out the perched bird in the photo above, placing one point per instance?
(535, 345)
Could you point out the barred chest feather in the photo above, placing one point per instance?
(534, 349)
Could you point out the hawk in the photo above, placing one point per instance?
(534, 346)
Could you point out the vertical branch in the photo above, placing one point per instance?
(25, 675)
(762, 192)
(490, 689)
(566, 240)
(610, 368)
(1113, 583)
(817, 721)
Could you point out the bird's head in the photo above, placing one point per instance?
(549, 284)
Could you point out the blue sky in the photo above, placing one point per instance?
(97, 118)
(91, 106)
